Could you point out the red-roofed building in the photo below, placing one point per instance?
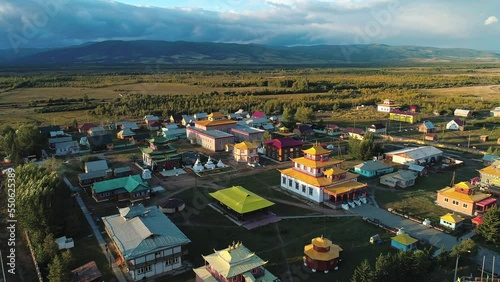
(331, 128)
(259, 114)
(154, 125)
(83, 128)
(282, 149)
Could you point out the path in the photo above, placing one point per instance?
(102, 243)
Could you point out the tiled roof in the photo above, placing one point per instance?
(143, 232)
(417, 152)
(314, 181)
(321, 242)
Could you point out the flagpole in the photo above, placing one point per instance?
(482, 269)
(493, 269)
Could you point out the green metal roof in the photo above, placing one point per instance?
(140, 230)
(132, 183)
(241, 200)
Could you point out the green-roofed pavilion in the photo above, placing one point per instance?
(241, 200)
(160, 155)
(131, 188)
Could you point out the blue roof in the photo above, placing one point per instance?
(490, 157)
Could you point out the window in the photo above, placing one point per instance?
(296, 185)
(303, 188)
(177, 259)
(144, 269)
(455, 203)
(168, 262)
(310, 191)
(284, 180)
(446, 200)
(290, 182)
(158, 254)
(464, 205)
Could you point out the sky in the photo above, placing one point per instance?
(444, 23)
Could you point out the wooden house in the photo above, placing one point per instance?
(128, 188)
(426, 127)
(283, 149)
(245, 152)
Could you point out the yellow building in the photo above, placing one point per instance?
(464, 198)
(245, 152)
(318, 178)
(409, 117)
(490, 177)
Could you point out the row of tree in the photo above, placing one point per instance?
(40, 202)
(415, 266)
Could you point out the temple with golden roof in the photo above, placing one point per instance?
(320, 179)
(322, 255)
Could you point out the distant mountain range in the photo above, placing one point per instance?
(203, 53)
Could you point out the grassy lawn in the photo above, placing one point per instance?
(419, 199)
(282, 244)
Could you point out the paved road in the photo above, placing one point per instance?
(419, 231)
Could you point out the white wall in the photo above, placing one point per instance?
(317, 193)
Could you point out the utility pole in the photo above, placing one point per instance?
(468, 142)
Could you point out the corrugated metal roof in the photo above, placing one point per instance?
(148, 231)
(132, 183)
(418, 152)
(372, 165)
(96, 165)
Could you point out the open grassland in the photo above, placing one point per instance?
(486, 92)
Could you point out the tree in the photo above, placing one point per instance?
(67, 259)
(304, 114)
(57, 273)
(266, 136)
(48, 250)
(363, 149)
(490, 150)
(74, 125)
(465, 246)
(490, 228)
(288, 117)
(8, 129)
(363, 273)
(52, 164)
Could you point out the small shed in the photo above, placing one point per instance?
(483, 138)
(430, 137)
(86, 273)
(404, 242)
(476, 221)
(451, 220)
(375, 239)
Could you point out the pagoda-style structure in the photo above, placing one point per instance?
(322, 255)
(318, 178)
(235, 263)
(160, 155)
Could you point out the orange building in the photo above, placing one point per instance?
(318, 178)
(464, 198)
(322, 255)
(245, 152)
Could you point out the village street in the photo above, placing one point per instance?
(419, 231)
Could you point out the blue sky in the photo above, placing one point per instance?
(443, 23)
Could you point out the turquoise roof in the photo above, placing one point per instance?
(132, 183)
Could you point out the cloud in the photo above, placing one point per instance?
(490, 20)
(28, 23)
